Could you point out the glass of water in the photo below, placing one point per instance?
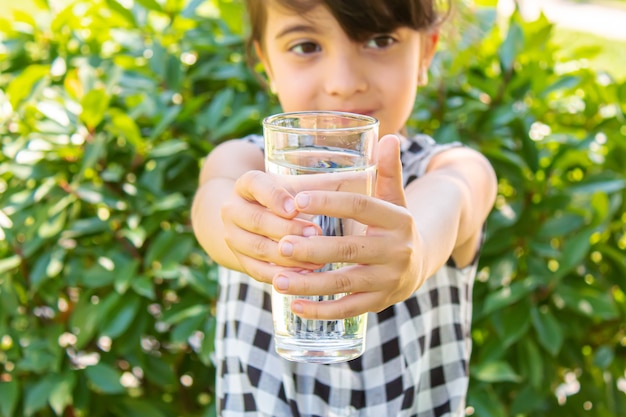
(340, 150)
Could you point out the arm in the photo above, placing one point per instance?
(410, 234)
(239, 212)
(463, 186)
(220, 171)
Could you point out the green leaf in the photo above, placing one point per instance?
(178, 316)
(509, 294)
(94, 151)
(598, 186)
(549, 331)
(532, 362)
(208, 342)
(512, 323)
(122, 11)
(169, 148)
(201, 282)
(173, 72)
(61, 394)
(184, 329)
(36, 396)
(53, 225)
(121, 316)
(105, 379)
(85, 226)
(48, 266)
(86, 318)
(24, 84)
(159, 372)
(126, 273)
(589, 302)
(150, 5)
(38, 357)
(7, 264)
(512, 46)
(185, 245)
(486, 403)
(124, 125)
(603, 357)
(190, 8)
(497, 371)
(244, 118)
(94, 104)
(231, 12)
(98, 277)
(161, 245)
(9, 397)
(575, 249)
(560, 225)
(130, 407)
(165, 121)
(527, 401)
(218, 107)
(143, 286)
(563, 83)
(169, 202)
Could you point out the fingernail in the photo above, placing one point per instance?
(309, 231)
(286, 249)
(289, 206)
(281, 283)
(303, 200)
(296, 307)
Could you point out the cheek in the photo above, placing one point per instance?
(295, 91)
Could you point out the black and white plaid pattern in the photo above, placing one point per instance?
(415, 362)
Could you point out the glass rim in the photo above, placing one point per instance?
(370, 121)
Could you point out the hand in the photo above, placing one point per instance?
(386, 262)
(257, 214)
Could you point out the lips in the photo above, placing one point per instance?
(359, 111)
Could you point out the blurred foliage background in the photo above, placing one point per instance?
(107, 108)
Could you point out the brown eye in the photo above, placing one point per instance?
(305, 48)
(380, 42)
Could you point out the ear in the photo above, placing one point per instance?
(258, 49)
(428, 48)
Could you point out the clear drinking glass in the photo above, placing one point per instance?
(340, 150)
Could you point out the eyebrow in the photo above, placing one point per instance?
(296, 28)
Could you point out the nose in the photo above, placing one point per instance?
(345, 75)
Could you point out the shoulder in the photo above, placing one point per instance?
(233, 158)
(419, 151)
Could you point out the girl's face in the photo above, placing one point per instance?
(313, 65)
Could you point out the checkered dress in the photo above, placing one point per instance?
(415, 362)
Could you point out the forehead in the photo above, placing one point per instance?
(282, 20)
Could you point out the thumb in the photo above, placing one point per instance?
(389, 184)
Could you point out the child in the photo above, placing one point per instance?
(425, 222)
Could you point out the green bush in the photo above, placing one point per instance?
(550, 308)
(107, 301)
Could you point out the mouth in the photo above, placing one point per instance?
(363, 112)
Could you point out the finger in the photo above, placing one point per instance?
(349, 279)
(266, 190)
(351, 305)
(352, 180)
(257, 219)
(263, 271)
(370, 211)
(389, 183)
(261, 248)
(372, 249)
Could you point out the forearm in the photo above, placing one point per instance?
(207, 222)
(462, 190)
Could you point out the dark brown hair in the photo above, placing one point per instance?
(358, 18)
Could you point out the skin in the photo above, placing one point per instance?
(411, 233)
